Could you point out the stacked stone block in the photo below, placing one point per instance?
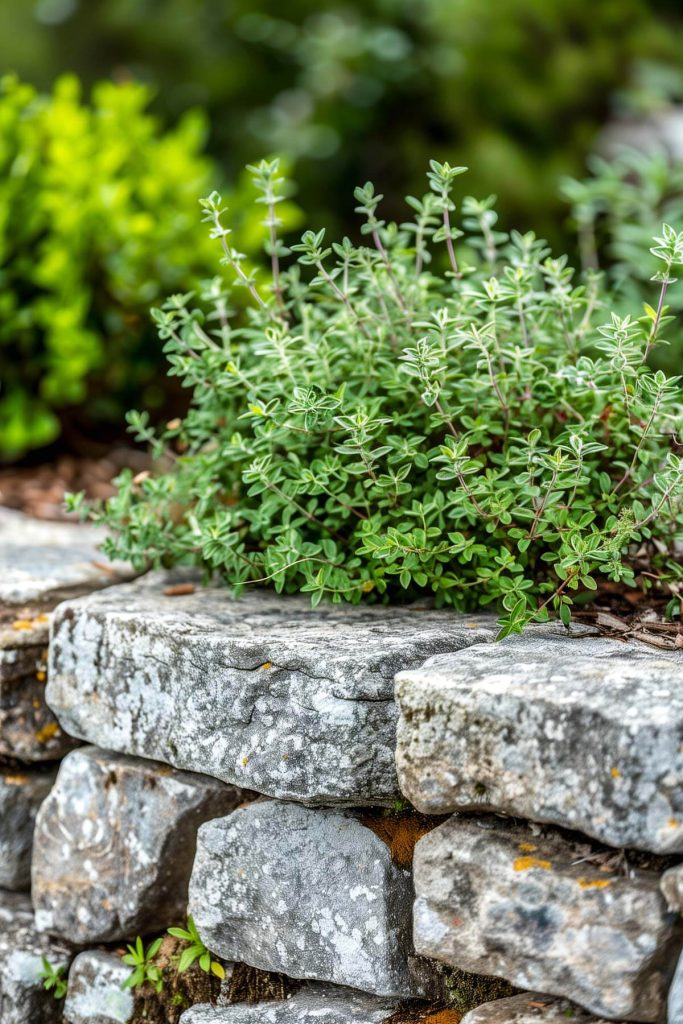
(546, 771)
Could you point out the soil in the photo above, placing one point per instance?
(38, 490)
(400, 831)
(250, 985)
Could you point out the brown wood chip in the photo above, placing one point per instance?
(178, 589)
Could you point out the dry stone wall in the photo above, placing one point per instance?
(374, 816)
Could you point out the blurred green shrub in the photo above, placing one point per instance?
(615, 210)
(515, 89)
(98, 218)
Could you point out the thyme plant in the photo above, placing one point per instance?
(427, 412)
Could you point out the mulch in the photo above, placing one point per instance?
(39, 490)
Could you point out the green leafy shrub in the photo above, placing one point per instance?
(97, 220)
(378, 427)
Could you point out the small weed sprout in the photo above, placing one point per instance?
(445, 409)
(54, 979)
(195, 950)
(144, 968)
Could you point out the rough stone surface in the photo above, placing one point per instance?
(529, 1009)
(23, 1000)
(260, 691)
(95, 995)
(29, 730)
(314, 1005)
(42, 562)
(114, 845)
(494, 898)
(309, 893)
(586, 733)
(672, 888)
(675, 1000)
(21, 794)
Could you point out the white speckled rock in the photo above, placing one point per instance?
(95, 995)
(23, 1000)
(581, 732)
(319, 1005)
(43, 563)
(260, 691)
(672, 887)
(309, 893)
(675, 1001)
(493, 898)
(21, 794)
(114, 845)
(529, 1009)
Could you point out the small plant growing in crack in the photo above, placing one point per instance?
(195, 950)
(144, 969)
(53, 979)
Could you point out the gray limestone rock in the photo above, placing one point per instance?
(582, 732)
(529, 1009)
(495, 898)
(313, 1005)
(675, 1000)
(114, 845)
(672, 888)
(43, 563)
(22, 791)
(310, 893)
(261, 691)
(23, 1000)
(95, 995)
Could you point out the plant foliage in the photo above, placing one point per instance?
(444, 408)
(195, 950)
(53, 978)
(97, 220)
(145, 970)
(616, 210)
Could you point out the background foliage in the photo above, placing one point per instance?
(98, 220)
(514, 89)
(97, 203)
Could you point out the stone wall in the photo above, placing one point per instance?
(371, 815)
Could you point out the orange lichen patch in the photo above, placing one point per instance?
(266, 665)
(673, 823)
(400, 832)
(528, 847)
(47, 732)
(35, 703)
(615, 773)
(179, 589)
(41, 676)
(527, 863)
(15, 779)
(594, 883)
(19, 624)
(42, 618)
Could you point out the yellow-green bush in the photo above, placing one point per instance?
(98, 219)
